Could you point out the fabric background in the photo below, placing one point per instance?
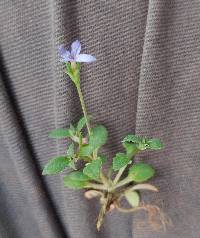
(146, 80)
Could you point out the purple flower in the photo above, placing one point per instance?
(74, 55)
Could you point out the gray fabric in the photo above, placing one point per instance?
(146, 80)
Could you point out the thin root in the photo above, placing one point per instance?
(157, 219)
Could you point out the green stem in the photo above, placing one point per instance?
(96, 186)
(123, 182)
(78, 87)
(119, 174)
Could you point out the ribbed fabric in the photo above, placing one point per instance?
(146, 80)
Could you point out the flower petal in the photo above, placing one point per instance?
(85, 58)
(75, 48)
(64, 54)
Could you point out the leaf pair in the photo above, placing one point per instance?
(61, 133)
(143, 143)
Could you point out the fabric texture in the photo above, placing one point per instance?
(145, 81)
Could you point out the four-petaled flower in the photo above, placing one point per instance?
(74, 55)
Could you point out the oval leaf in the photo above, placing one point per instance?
(93, 169)
(97, 138)
(132, 138)
(56, 165)
(119, 161)
(133, 198)
(155, 144)
(81, 123)
(60, 133)
(76, 180)
(141, 172)
(131, 149)
(70, 151)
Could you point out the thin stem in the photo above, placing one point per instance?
(119, 174)
(97, 186)
(83, 106)
(123, 182)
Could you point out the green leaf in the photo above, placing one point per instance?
(133, 198)
(93, 169)
(103, 158)
(119, 161)
(72, 165)
(76, 180)
(72, 129)
(155, 144)
(60, 133)
(81, 123)
(86, 150)
(132, 138)
(131, 149)
(70, 151)
(97, 138)
(56, 165)
(141, 172)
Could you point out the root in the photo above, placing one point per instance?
(106, 201)
(157, 219)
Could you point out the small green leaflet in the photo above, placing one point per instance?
(76, 180)
(72, 130)
(103, 158)
(60, 133)
(143, 143)
(70, 151)
(81, 123)
(72, 165)
(133, 198)
(93, 169)
(131, 149)
(97, 138)
(56, 165)
(119, 161)
(132, 138)
(155, 144)
(141, 172)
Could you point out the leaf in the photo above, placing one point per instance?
(60, 133)
(81, 123)
(86, 150)
(119, 161)
(131, 149)
(93, 169)
(72, 130)
(92, 194)
(144, 186)
(76, 180)
(133, 198)
(97, 138)
(70, 151)
(141, 172)
(155, 144)
(132, 138)
(103, 158)
(72, 165)
(56, 165)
